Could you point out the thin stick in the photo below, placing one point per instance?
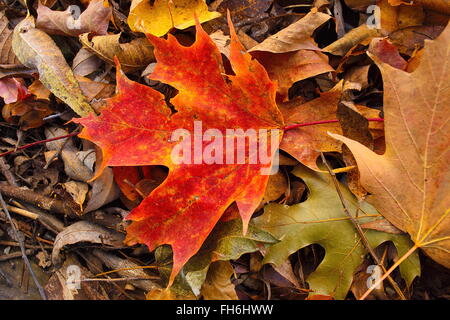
(23, 212)
(359, 229)
(14, 255)
(387, 273)
(116, 279)
(39, 142)
(30, 246)
(22, 249)
(306, 124)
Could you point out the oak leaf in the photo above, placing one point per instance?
(409, 183)
(321, 220)
(136, 127)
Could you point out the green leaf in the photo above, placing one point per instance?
(226, 242)
(321, 220)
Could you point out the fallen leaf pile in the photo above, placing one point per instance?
(120, 162)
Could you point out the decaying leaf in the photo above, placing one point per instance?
(305, 144)
(321, 220)
(409, 183)
(297, 36)
(133, 56)
(63, 283)
(104, 191)
(85, 63)
(388, 53)
(73, 165)
(217, 285)
(94, 19)
(7, 55)
(227, 242)
(84, 231)
(28, 113)
(35, 49)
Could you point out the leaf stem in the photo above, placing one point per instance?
(395, 265)
(359, 230)
(39, 142)
(306, 124)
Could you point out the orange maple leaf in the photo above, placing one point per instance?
(136, 127)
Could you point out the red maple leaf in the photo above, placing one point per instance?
(136, 129)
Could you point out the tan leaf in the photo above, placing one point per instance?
(354, 37)
(132, 56)
(85, 63)
(217, 285)
(35, 49)
(296, 37)
(435, 5)
(7, 55)
(94, 19)
(306, 143)
(409, 183)
(288, 68)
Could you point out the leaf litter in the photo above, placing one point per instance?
(370, 98)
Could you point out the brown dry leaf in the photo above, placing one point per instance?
(127, 269)
(276, 187)
(407, 40)
(63, 286)
(73, 165)
(28, 113)
(298, 36)
(94, 19)
(84, 231)
(356, 78)
(39, 90)
(217, 285)
(104, 191)
(381, 225)
(288, 68)
(222, 42)
(85, 63)
(356, 127)
(354, 37)
(7, 55)
(96, 92)
(389, 17)
(35, 49)
(306, 143)
(292, 55)
(78, 190)
(159, 16)
(387, 52)
(435, 5)
(410, 16)
(15, 70)
(409, 183)
(132, 56)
